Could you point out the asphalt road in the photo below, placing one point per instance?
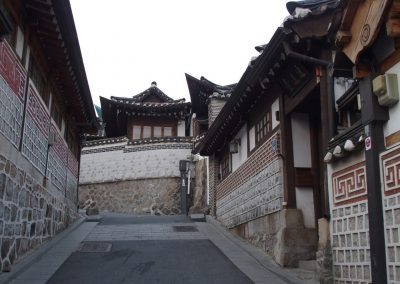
(182, 258)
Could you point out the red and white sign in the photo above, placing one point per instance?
(368, 143)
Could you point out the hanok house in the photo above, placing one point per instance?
(364, 155)
(45, 105)
(135, 168)
(207, 100)
(267, 178)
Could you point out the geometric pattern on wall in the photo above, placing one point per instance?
(12, 83)
(11, 70)
(36, 131)
(57, 163)
(262, 194)
(390, 174)
(391, 171)
(349, 185)
(11, 110)
(350, 243)
(73, 164)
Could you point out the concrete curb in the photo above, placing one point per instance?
(22, 265)
(263, 259)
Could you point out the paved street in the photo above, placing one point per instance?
(147, 249)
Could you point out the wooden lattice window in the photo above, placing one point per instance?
(225, 165)
(263, 128)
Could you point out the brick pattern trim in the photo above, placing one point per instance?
(258, 161)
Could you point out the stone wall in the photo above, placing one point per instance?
(199, 188)
(282, 235)
(30, 214)
(156, 196)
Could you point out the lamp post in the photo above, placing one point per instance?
(183, 168)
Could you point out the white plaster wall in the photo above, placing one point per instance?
(252, 138)
(241, 156)
(305, 197)
(191, 132)
(274, 109)
(301, 140)
(118, 166)
(393, 124)
(181, 128)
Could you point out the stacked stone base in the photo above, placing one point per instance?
(156, 196)
(30, 214)
(282, 235)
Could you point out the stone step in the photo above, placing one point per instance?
(310, 265)
(306, 276)
(199, 217)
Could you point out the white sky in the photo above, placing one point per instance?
(127, 44)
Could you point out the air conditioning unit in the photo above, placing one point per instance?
(385, 87)
(234, 146)
(52, 138)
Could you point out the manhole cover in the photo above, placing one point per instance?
(185, 229)
(95, 247)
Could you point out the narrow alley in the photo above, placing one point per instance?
(147, 249)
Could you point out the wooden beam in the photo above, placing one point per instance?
(393, 22)
(390, 61)
(343, 38)
(392, 139)
(361, 70)
(291, 103)
(393, 27)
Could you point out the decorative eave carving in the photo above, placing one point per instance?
(360, 26)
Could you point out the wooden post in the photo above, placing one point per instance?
(374, 115)
(289, 192)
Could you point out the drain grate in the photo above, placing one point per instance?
(95, 247)
(185, 229)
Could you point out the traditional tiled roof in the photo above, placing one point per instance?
(150, 103)
(57, 36)
(124, 139)
(147, 107)
(141, 97)
(105, 141)
(261, 74)
(300, 10)
(154, 140)
(202, 90)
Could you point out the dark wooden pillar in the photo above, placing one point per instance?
(289, 192)
(373, 116)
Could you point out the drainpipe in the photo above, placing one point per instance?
(305, 58)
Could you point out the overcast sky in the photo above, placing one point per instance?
(127, 44)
